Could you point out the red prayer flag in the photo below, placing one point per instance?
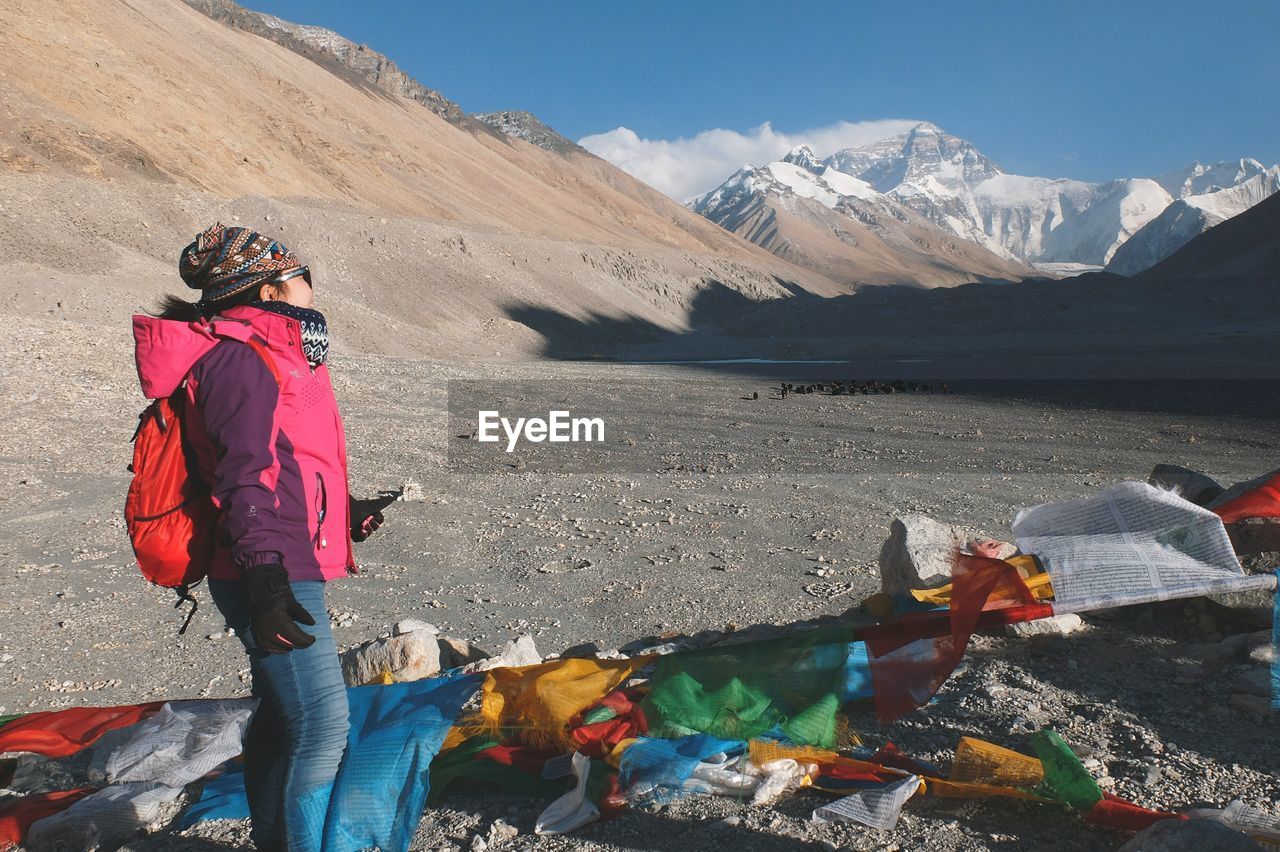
(1260, 502)
(911, 659)
(58, 733)
(17, 817)
(1114, 812)
(524, 758)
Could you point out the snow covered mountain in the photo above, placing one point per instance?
(819, 217)
(949, 182)
(1200, 179)
(1193, 214)
(946, 181)
(1244, 247)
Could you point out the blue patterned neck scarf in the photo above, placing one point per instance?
(315, 331)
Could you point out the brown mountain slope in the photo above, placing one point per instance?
(876, 249)
(130, 126)
(154, 88)
(1247, 245)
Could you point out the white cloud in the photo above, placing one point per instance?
(683, 168)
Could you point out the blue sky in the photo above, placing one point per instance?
(1082, 89)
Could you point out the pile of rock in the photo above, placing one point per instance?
(918, 555)
(415, 649)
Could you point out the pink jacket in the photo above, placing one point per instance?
(275, 455)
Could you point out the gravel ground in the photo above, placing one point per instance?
(702, 511)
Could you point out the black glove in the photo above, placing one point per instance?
(273, 611)
(366, 517)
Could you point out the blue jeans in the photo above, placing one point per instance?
(294, 744)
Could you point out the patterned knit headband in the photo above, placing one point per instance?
(222, 262)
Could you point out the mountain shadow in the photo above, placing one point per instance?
(600, 336)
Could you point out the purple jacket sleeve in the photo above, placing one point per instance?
(237, 395)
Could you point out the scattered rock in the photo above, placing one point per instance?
(917, 554)
(1056, 625)
(1256, 536)
(582, 649)
(409, 625)
(1193, 835)
(1252, 705)
(1252, 607)
(1262, 653)
(1254, 682)
(501, 832)
(459, 652)
(407, 656)
(1240, 647)
(1191, 485)
(519, 652)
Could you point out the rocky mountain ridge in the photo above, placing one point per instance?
(519, 124)
(329, 48)
(346, 57)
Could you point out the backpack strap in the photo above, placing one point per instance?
(228, 329)
(258, 346)
(261, 348)
(184, 595)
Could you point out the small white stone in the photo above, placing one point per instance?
(1055, 625)
(410, 625)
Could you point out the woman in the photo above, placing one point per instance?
(268, 436)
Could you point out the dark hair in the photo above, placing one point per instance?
(172, 307)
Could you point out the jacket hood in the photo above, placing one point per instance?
(166, 350)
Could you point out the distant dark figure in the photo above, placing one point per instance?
(945, 388)
(784, 390)
(755, 394)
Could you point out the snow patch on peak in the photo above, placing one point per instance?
(803, 183)
(847, 185)
(787, 178)
(1201, 178)
(927, 127)
(803, 156)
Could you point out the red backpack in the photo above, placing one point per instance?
(169, 509)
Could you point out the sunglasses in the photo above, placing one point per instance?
(287, 275)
